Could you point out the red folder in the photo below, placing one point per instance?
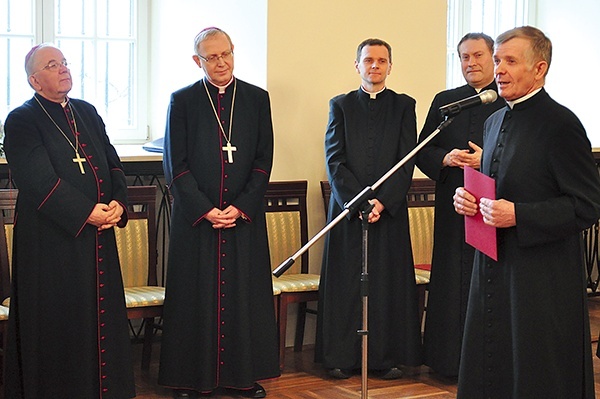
(477, 233)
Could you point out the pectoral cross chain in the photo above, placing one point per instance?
(229, 149)
(80, 161)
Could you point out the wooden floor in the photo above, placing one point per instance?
(304, 379)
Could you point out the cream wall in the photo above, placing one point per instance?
(310, 58)
(307, 49)
(311, 49)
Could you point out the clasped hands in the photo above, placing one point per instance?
(223, 219)
(461, 158)
(496, 213)
(105, 216)
(375, 213)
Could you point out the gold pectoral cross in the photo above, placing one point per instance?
(229, 149)
(80, 161)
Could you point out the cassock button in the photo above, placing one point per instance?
(83, 144)
(90, 157)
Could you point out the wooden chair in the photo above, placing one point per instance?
(136, 244)
(138, 255)
(420, 200)
(287, 227)
(7, 207)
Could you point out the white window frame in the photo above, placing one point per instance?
(493, 21)
(44, 26)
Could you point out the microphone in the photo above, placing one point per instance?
(485, 97)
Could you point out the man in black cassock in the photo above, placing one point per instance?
(527, 330)
(443, 159)
(67, 333)
(219, 320)
(369, 131)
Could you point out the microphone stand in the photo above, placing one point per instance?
(360, 201)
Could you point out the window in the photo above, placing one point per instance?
(491, 17)
(103, 43)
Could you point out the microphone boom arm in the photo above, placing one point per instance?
(357, 200)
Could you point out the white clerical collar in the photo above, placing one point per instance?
(221, 88)
(372, 95)
(512, 103)
(481, 88)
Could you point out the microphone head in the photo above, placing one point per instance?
(488, 96)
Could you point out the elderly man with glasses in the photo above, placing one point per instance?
(219, 328)
(67, 335)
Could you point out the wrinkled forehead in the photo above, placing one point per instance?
(46, 54)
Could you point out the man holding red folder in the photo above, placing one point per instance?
(527, 330)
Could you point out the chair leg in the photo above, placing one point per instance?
(282, 323)
(300, 325)
(147, 345)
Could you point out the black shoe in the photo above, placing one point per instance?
(257, 391)
(340, 374)
(184, 393)
(391, 374)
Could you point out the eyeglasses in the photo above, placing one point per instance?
(54, 65)
(226, 56)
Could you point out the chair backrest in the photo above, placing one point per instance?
(136, 242)
(8, 199)
(287, 227)
(421, 201)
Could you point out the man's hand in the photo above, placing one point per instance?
(223, 219)
(464, 202)
(105, 216)
(497, 213)
(460, 158)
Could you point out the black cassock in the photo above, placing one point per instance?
(527, 330)
(365, 138)
(68, 335)
(452, 260)
(219, 320)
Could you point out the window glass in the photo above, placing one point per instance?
(100, 39)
